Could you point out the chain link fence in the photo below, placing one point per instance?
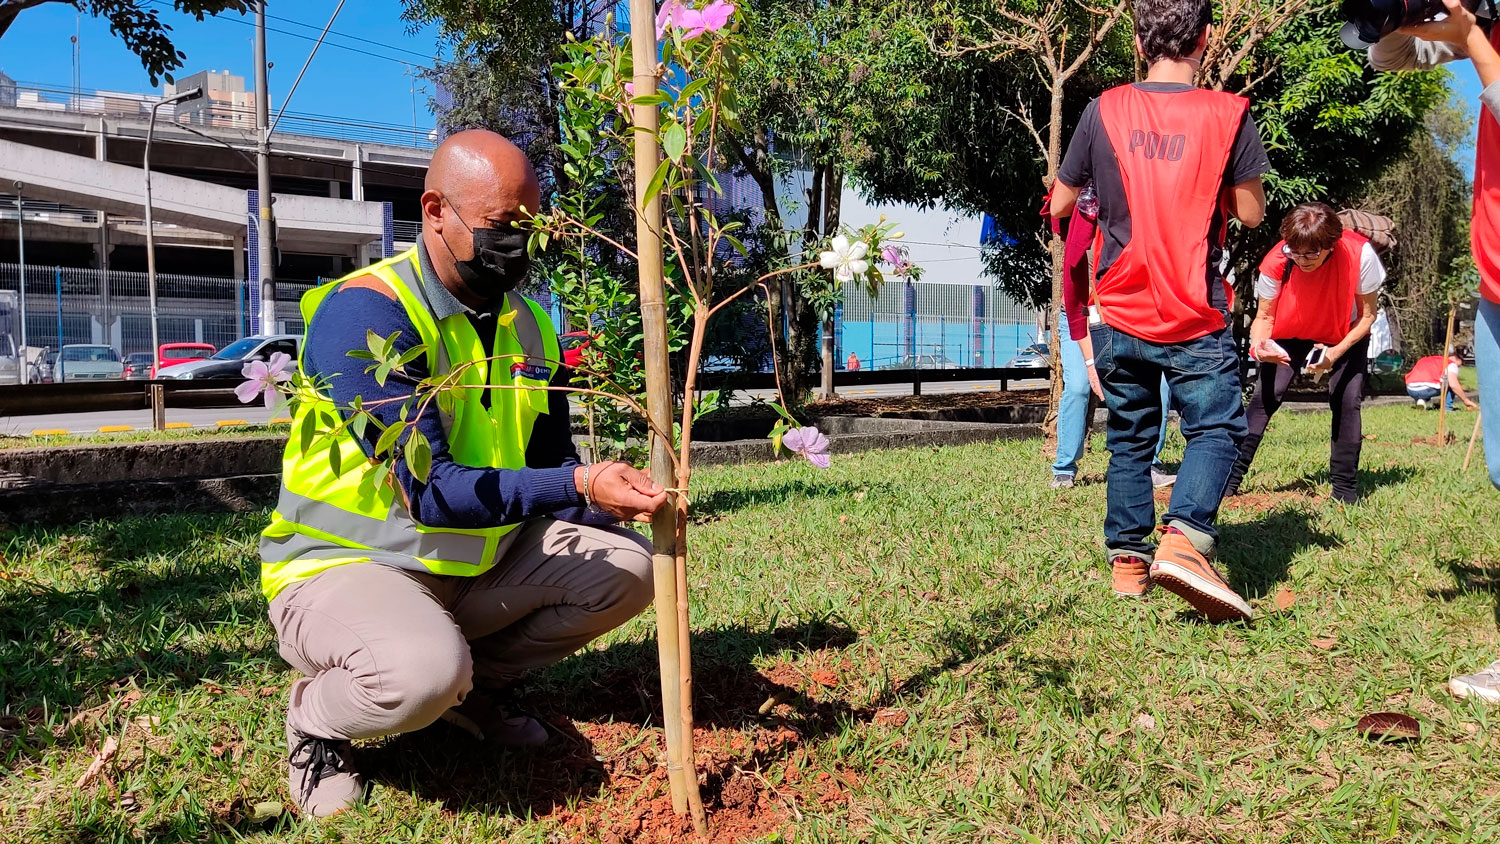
(66, 305)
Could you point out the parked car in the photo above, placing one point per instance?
(171, 354)
(1035, 356)
(138, 366)
(86, 362)
(230, 360)
(924, 362)
(573, 345)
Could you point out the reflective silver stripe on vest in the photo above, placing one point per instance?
(395, 535)
(300, 546)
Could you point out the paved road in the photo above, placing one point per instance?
(91, 423)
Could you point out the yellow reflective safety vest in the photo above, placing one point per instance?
(323, 519)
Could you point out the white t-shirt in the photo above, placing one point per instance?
(1371, 276)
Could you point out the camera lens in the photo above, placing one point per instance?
(1371, 20)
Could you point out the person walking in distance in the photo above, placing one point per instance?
(1171, 163)
(1318, 292)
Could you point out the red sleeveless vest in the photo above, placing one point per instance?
(1485, 234)
(1173, 150)
(1319, 305)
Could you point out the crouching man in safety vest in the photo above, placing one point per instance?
(1171, 163)
(405, 602)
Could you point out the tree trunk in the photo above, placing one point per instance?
(1054, 311)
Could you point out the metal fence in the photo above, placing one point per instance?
(932, 326)
(71, 305)
(906, 326)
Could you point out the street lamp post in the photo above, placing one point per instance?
(150, 226)
(21, 248)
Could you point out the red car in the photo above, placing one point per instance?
(171, 354)
(573, 345)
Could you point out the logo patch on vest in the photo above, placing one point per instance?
(536, 373)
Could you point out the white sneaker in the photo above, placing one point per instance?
(1160, 479)
(1422, 403)
(1062, 481)
(1484, 685)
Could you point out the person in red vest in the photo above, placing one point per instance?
(1319, 290)
(1171, 163)
(1424, 383)
(1425, 46)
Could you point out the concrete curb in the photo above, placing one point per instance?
(80, 483)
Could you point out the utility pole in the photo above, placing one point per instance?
(21, 246)
(267, 231)
(183, 97)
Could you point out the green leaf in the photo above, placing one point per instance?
(375, 343)
(674, 141)
(358, 423)
(418, 455)
(693, 89)
(362, 354)
(654, 188)
(382, 472)
(382, 372)
(410, 355)
(446, 402)
(652, 99)
(305, 431)
(388, 438)
(336, 459)
(776, 434)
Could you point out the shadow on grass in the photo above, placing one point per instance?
(138, 618)
(723, 502)
(620, 685)
(1366, 481)
(1471, 580)
(1258, 555)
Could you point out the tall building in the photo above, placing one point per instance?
(225, 102)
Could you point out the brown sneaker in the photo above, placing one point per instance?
(1184, 572)
(1132, 576)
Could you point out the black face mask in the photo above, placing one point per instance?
(500, 261)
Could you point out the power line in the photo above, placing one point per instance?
(289, 34)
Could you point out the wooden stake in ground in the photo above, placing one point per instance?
(1478, 417)
(671, 636)
(1442, 435)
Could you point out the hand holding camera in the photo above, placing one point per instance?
(1455, 29)
(1371, 20)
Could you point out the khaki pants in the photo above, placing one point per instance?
(388, 651)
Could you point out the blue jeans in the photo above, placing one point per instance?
(1487, 359)
(1428, 394)
(1204, 377)
(1073, 409)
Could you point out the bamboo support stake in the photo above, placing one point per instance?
(1443, 396)
(683, 781)
(1478, 417)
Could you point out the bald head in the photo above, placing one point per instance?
(477, 180)
(477, 166)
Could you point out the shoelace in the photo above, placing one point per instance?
(322, 759)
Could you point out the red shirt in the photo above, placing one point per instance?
(1485, 234)
(1173, 150)
(1430, 370)
(1317, 306)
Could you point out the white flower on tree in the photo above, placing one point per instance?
(847, 260)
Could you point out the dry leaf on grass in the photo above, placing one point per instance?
(1144, 722)
(892, 717)
(1324, 643)
(212, 688)
(101, 758)
(1285, 599)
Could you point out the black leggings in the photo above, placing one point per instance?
(1346, 387)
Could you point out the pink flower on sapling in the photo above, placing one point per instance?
(691, 20)
(263, 378)
(667, 15)
(810, 443)
(630, 90)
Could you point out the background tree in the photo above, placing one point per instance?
(500, 77)
(136, 24)
(1428, 196)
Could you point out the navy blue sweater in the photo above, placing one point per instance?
(455, 496)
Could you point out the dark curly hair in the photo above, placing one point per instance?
(1170, 29)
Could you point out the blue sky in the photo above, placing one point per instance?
(339, 83)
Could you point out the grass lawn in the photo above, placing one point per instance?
(929, 633)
